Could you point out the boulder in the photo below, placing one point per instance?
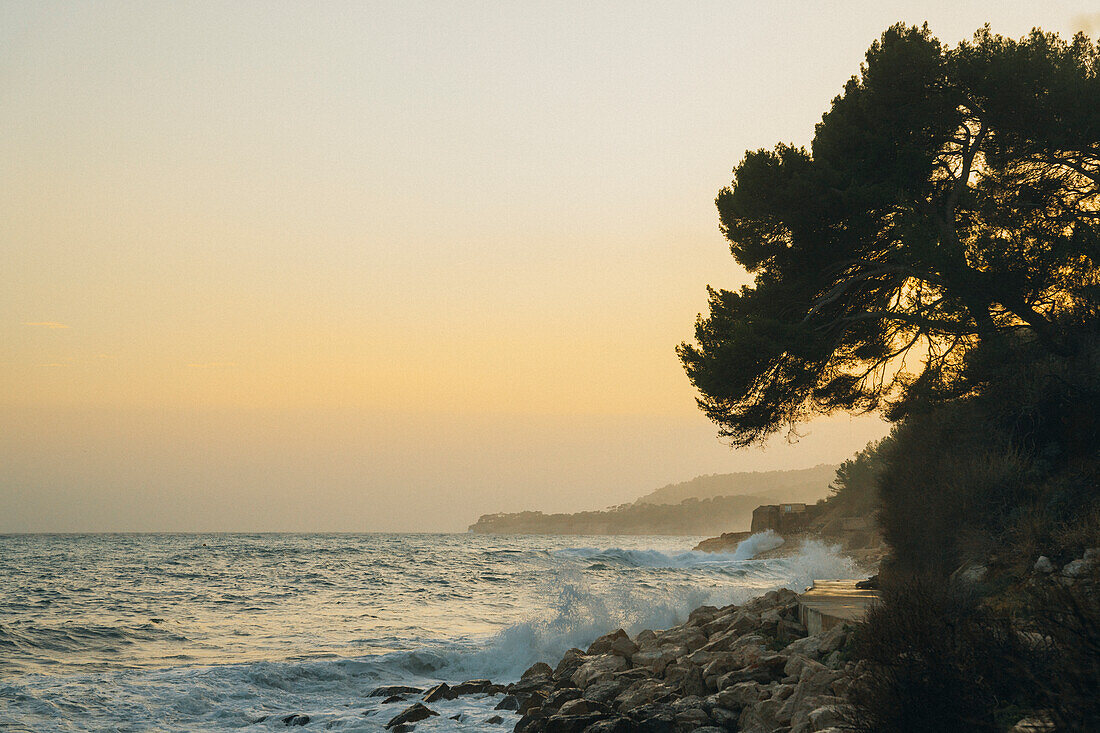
(411, 714)
(738, 696)
(606, 689)
(603, 644)
(800, 723)
(654, 718)
(571, 660)
(702, 615)
(557, 698)
(1076, 568)
(720, 624)
(826, 716)
(571, 723)
(689, 637)
(624, 647)
(1044, 565)
(646, 639)
(476, 687)
(597, 667)
(542, 669)
(535, 720)
(691, 683)
(494, 720)
(655, 659)
(759, 718)
(642, 693)
(692, 719)
(508, 702)
(393, 699)
(532, 702)
(392, 690)
(442, 691)
(295, 719)
(724, 718)
(814, 679)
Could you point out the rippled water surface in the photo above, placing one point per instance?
(226, 631)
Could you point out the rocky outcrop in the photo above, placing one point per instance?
(747, 668)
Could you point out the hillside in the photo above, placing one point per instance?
(805, 485)
(705, 505)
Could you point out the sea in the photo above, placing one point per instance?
(213, 632)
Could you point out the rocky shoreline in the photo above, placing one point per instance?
(746, 668)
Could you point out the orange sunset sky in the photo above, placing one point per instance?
(387, 266)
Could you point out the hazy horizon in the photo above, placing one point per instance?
(387, 267)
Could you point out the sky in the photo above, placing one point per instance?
(387, 266)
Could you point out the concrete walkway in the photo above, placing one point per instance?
(830, 602)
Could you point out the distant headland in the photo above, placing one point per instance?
(710, 504)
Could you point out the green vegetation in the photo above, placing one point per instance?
(934, 255)
(948, 200)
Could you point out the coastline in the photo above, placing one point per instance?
(749, 667)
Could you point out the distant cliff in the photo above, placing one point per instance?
(692, 516)
(705, 505)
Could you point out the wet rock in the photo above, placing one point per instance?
(689, 637)
(476, 687)
(702, 616)
(654, 718)
(606, 689)
(646, 639)
(656, 659)
(540, 669)
(412, 714)
(571, 723)
(624, 647)
(738, 696)
(392, 690)
(531, 721)
(759, 718)
(603, 644)
(782, 598)
(508, 702)
(597, 667)
(495, 720)
(442, 691)
(533, 701)
(813, 680)
(573, 660)
(724, 718)
(577, 706)
(295, 719)
(557, 698)
(692, 682)
(692, 719)
(393, 698)
(643, 693)
(403, 728)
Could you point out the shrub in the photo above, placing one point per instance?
(937, 663)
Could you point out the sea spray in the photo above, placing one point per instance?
(310, 624)
(752, 546)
